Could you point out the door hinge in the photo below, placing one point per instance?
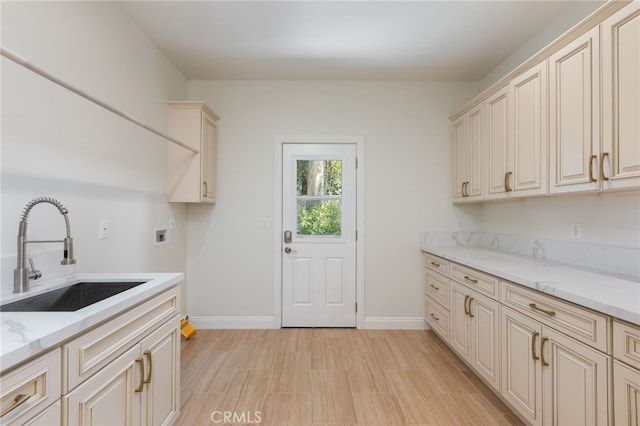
(356, 307)
(356, 235)
(356, 162)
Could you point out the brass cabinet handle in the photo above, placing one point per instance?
(140, 362)
(434, 317)
(466, 188)
(534, 336)
(434, 287)
(206, 188)
(602, 158)
(534, 306)
(466, 277)
(466, 312)
(150, 359)
(591, 178)
(17, 401)
(470, 300)
(507, 188)
(544, 340)
(437, 265)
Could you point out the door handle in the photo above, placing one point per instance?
(289, 251)
(287, 237)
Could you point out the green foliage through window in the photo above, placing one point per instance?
(320, 218)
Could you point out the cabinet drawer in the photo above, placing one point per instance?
(437, 287)
(437, 317)
(626, 343)
(436, 263)
(479, 281)
(582, 324)
(30, 388)
(95, 349)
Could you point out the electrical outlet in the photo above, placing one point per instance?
(575, 231)
(103, 229)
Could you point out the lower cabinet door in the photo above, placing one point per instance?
(575, 382)
(626, 391)
(161, 353)
(460, 333)
(109, 397)
(485, 343)
(521, 366)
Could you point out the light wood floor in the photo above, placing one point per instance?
(332, 376)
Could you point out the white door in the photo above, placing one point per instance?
(319, 238)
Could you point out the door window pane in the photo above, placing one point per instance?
(319, 197)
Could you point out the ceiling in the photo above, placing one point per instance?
(340, 40)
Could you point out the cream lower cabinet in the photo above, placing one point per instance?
(550, 378)
(626, 373)
(140, 387)
(475, 331)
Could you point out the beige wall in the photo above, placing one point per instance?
(57, 144)
(407, 180)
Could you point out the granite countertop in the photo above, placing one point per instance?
(614, 295)
(26, 334)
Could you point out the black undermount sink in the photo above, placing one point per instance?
(70, 298)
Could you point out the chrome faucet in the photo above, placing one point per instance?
(22, 275)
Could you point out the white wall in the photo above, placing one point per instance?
(576, 11)
(57, 144)
(407, 185)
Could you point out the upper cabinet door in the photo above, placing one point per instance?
(527, 169)
(496, 143)
(192, 176)
(620, 157)
(466, 149)
(574, 111)
(459, 160)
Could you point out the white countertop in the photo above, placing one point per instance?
(618, 296)
(26, 334)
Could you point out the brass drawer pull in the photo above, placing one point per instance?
(140, 362)
(603, 156)
(534, 336)
(466, 311)
(17, 401)
(507, 188)
(436, 264)
(466, 277)
(533, 306)
(434, 287)
(150, 359)
(544, 340)
(470, 300)
(591, 178)
(434, 317)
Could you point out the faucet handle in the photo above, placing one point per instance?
(34, 274)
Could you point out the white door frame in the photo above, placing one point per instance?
(277, 215)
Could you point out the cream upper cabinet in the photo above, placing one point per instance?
(574, 112)
(526, 173)
(192, 176)
(496, 143)
(467, 145)
(620, 156)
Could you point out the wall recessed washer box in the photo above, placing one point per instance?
(160, 236)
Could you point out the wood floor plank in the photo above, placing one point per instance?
(332, 376)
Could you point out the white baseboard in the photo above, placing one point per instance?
(208, 323)
(395, 323)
